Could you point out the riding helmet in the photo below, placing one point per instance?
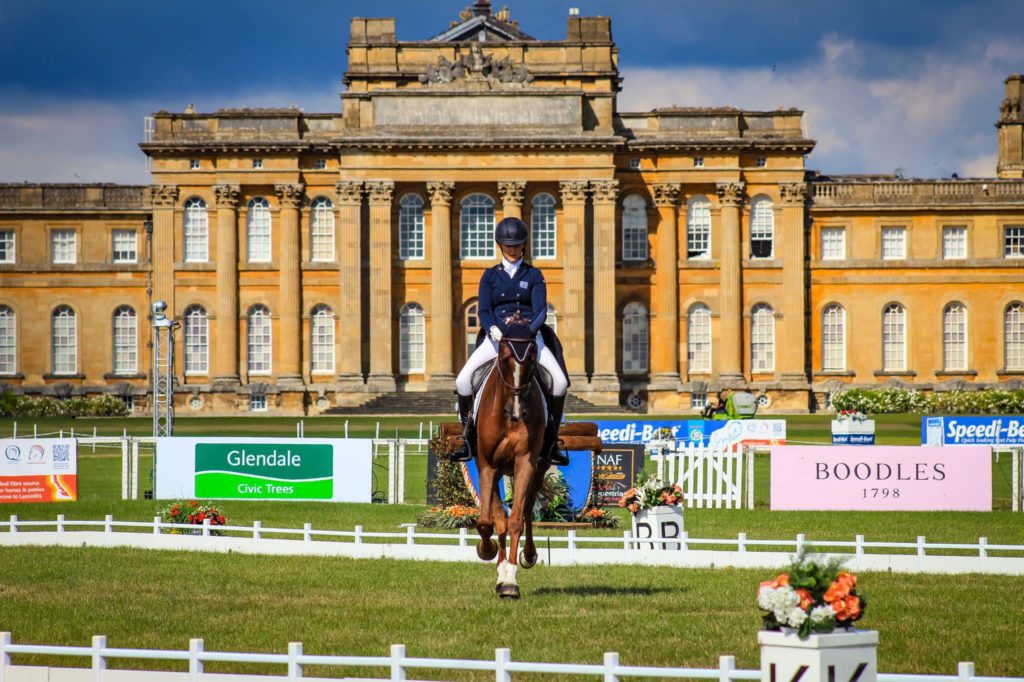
(510, 232)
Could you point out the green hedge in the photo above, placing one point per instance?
(902, 400)
(46, 406)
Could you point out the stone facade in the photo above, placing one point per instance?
(326, 258)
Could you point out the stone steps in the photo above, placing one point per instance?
(444, 403)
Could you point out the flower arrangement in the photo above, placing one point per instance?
(450, 517)
(850, 416)
(650, 492)
(811, 597)
(194, 513)
(598, 518)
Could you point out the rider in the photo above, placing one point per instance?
(511, 286)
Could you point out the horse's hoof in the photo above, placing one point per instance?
(487, 550)
(508, 591)
(527, 561)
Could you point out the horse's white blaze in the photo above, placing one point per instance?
(516, 382)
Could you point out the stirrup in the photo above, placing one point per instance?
(464, 453)
(556, 455)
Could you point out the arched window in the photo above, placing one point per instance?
(64, 340)
(1013, 336)
(698, 338)
(257, 231)
(197, 341)
(762, 227)
(321, 230)
(954, 337)
(833, 338)
(197, 231)
(472, 327)
(634, 228)
(762, 339)
(552, 318)
(126, 341)
(410, 227)
(321, 333)
(543, 227)
(894, 338)
(634, 339)
(698, 227)
(259, 340)
(8, 341)
(412, 338)
(476, 225)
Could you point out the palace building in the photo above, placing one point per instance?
(316, 261)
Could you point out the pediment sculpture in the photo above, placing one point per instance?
(476, 66)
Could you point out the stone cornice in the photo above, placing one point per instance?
(793, 193)
(163, 196)
(573, 191)
(902, 195)
(666, 193)
(731, 145)
(511, 192)
(605, 191)
(380, 191)
(349, 191)
(441, 192)
(730, 193)
(226, 195)
(290, 195)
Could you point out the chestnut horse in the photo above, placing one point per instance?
(510, 423)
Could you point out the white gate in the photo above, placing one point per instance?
(709, 477)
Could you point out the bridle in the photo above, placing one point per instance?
(519, 385)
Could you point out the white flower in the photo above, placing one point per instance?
(822, 614)
(796, 616)
(765, 598)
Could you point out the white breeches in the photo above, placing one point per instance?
(488, 350)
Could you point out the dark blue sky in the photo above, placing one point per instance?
(136, 56)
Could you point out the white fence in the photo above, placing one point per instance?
(709, 477)
(398, 665)
(920, 556)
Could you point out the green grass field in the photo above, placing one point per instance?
(652, 616)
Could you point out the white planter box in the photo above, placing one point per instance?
(853, 426)
(656, 525)
(839, 656)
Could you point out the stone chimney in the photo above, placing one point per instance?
(1011, 130)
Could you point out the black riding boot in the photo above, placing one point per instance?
(466, 452)
(550, 450)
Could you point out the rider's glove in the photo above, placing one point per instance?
(494, 333)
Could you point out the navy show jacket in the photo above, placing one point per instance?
(501, 296)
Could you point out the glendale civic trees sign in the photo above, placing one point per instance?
(882, 478)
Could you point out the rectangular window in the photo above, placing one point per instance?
(761, 162)
(125, 246)
(7, 246)
(894, 242)
(257, 403)
(193, 164)
(954, 242)
(833, 243)
(634, 164)
(62, 246)
(698, 401)
(320, 164)
(698, 162)
(1013, 241)
(257, 163)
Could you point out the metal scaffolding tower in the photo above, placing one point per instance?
(163, 371)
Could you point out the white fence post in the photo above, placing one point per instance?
(1016, 455)
(99, 663)
(964, 671)
(134, 483)
(5, 658)
(611, 662)
(726, 665)
(397, 657)
(294, 667)
(156, 525)
(502, 657)
(126, 472)
(108, 524)
(392, 488)
(195, 666)
(60, 523)
(750, 477)
(307, 534)
(401, 469)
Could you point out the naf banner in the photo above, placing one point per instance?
(1000, 430)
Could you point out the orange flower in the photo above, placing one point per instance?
(847, 579)
(783, 579)
(839, 606)
(634, 507)
(852, 605)
(805, 598)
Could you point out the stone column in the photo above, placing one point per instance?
(163, 199)
(792, 354)
(572, 331)
(290, 285)
(605, 194)
(226, 353)
(350, 295)
(382, 377)
(512, 197)
(665, 327)
(730, 298)
(441, 352)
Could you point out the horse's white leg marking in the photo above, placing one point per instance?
(510, 573)
(502, 570)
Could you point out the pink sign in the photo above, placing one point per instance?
(882, 478)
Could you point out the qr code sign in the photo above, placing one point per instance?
(61, 453)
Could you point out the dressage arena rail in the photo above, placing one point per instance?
(398, 664)
(556, 550)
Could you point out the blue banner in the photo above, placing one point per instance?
(712, 433)
(998, 430)
(853, 439)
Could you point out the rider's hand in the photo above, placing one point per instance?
(494, 333)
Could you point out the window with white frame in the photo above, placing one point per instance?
(63, 246)
(761, 162)
(321, 334)
(1013, 336)
(698, 227)
(126, 341)
(258, 402)
(410, 227)
(698, 162)
(257, 231)
(954, 242)
(894, 242)
(193, 164)
(476, 226)
(543, 227)
(257, 163)
(634, 164)
(698, 339)
(551, 319)
(7, 254)
(894, 338)
(1013, 241)
(197, 341)
(259, 342)
(698, 400)
(635, 341)
(412, 337)
(634, 228)
(833, 243)
(126, 249)
(833, 338)
(762, 227)
(762, 338)
(321, 230)
(472, 327)
(64, 340)
(320, 164)
(954, 337)
(8, 341)
(196, 231)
